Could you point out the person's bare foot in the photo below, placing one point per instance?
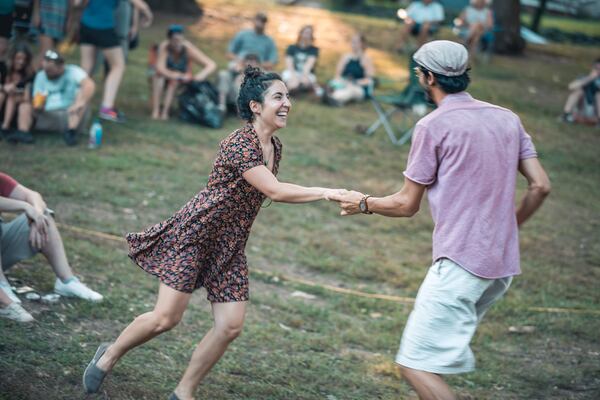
(164, 117)
(155, 115)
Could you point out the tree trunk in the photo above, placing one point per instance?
(508, 37)
(537, 17)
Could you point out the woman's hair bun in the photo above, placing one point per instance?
(252, 72)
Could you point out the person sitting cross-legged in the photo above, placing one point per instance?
(33, 231)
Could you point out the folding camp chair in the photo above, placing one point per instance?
(411, 99)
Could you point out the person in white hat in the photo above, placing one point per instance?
(465, 154)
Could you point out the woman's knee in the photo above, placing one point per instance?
(166, 321)
(229, 330)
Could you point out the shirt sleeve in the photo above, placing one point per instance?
(422, 163)
(235, 43)
(411, 10)
(38, 85)
(291, 50)
(242, 153)
(439, 15)
(272, 55)
(526, 147)
(77, 74)
(7, 184)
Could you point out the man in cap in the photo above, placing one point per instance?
(465, 154)
(61, 100)
(246, 42)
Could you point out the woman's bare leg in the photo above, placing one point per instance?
(167, 313)
(172, 86)
(348, 93)
(158, 85)
(25, 116)
(116, 62)
(9, 112)
(228, 319)
(88, 57)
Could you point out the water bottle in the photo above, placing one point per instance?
(95, 135)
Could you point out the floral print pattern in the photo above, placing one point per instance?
(203, 244)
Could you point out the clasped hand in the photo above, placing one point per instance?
(349, 200)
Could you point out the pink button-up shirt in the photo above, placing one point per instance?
(467, 153)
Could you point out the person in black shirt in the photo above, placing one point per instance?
(300, 61)
(353, 77)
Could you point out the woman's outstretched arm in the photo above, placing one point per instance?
(262, 179)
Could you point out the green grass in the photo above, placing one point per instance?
(337, 345)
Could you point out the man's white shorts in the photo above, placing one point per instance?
(450, 303)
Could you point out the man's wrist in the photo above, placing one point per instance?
(363, 205)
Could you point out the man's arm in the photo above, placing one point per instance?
(143, 8)
(84, 95)
(31, 197)
(208, 65)
(581, 82)
(539, 187)
(404, 203)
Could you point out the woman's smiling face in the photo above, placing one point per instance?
(275, 107)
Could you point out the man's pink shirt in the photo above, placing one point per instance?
(467, 153)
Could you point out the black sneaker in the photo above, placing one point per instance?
(70, 137)
(20, 137)
(4, 133)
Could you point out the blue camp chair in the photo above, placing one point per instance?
(405, 102)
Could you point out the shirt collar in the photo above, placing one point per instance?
(455, 98)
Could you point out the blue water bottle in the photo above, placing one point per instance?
(95, 135)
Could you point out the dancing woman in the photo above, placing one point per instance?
(202, 245)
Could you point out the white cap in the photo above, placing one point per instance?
(443, 57)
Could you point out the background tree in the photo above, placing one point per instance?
(537, 16)
(508, 18)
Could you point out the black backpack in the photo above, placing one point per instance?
(198, 104)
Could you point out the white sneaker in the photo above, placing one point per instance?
(16, 312)
(5, 286)
(76, 289)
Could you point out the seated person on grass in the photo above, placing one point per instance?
(476, 24)
(248, 41)
(353, 77)
(583, 103)
(422, 20)
(300, 61)
(61, 97)
(33, 231)
(174, 60)
(15, 91)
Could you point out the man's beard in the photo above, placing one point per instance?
(428, 96)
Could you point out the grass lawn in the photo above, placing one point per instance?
(332, 346)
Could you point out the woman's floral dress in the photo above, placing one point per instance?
(203, 244)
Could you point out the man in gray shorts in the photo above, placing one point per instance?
(31, 232)
(465, 154)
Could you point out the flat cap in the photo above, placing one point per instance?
(443, 57)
